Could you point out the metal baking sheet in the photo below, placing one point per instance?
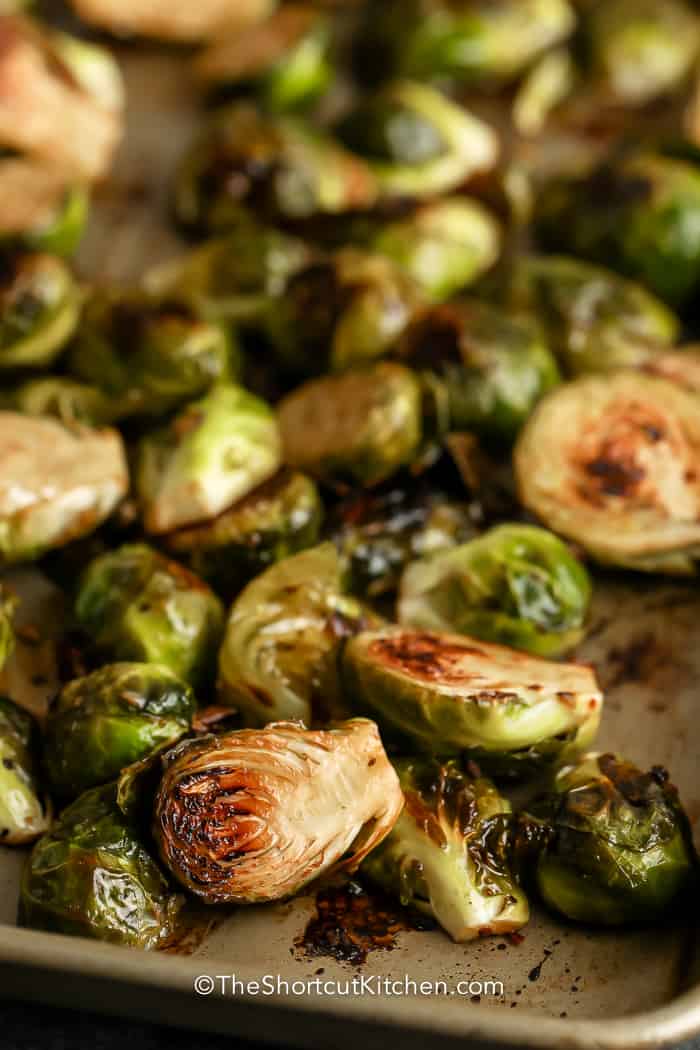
(562, 985)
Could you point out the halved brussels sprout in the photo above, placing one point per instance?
(57, 483)
(64, 398)
(137, 605)
(216, 451)
(39, 309)
(285, 60)
(279, 518)
(417, 142)
(517, 585)
(148, 355)
(255, 815)
(443, 246)
(111, 718)
(615, 844)
(494, 366)
(354, 428)
(639, 215)
(279, 656)
(167, 21)
(448, 694)
(613, 463)
(23, 815)
(449, 852)
(91, 877)
(596, 321)
(340, 312)
(281, 168)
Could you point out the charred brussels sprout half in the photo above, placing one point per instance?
(216, 451)
(494, 367)
(417, 142)
(137, 605)
(639, 215)
(279, 518)
(146, 355)
(23, 814)
(595, 320)
(447, 694)
(91, 877)
(340, 312)
(39, 308)
(60, 397)
(449, 852)
(111, 718)
(613, 464)
(279, 656)
(614, 843)
(355, 428)
(295, 802)
(516, 584)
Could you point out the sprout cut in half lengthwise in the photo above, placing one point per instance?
(23, 814)
(614, 465)
(255, 815)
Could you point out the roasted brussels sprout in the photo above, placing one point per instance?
(58, 224)
(516, 584)
(280, 651)
(279, 167)
(216, 451)
(417, 141)
(447, 694)
(168, 21)
(449, 852)
(89, 876)
(23, 815)
(443, 246)
(39, 309)
(279, 518)
(595, 320)
(137, 605)
(57, 483)
(640, 215)
(63, 398)
(149, 356)
(111, 718)
(255, 815)
(355, 428)
(494, 366)
(340, 312)
(613, 463)
(614, 843)
(285, 60)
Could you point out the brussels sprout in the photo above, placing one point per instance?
(417, 141)
(516, 584)
(613, 463)
(216, 451)
(285, 60)
(23, 816)
(59, 228)
(615, 845)
(639, 215)
(494, 366)
(91, 877)
(281, 168)
(39, 309)
(356, 428)
(279, 655)
(379, 533)
(63, 398)
(255, 815)
(279, 518)
(167, 21)
(449, 852)
(137, 605)
(640, 49)
(340, 312)
(595, 320)
(448, 694)
(444, 246)
(111, 718)
(57, 483)
(547, 85)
